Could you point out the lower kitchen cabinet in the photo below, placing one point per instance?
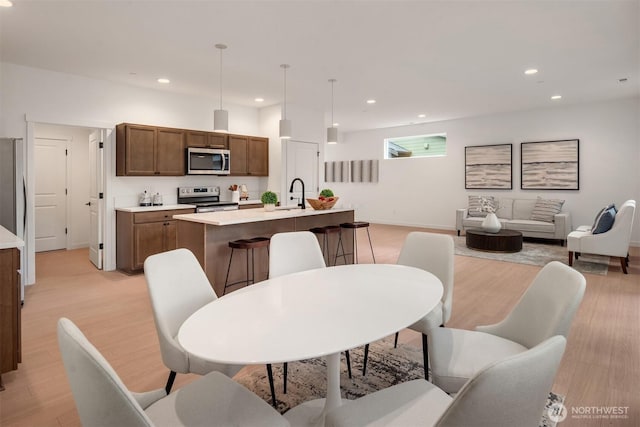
(10, 330)
(141, 234)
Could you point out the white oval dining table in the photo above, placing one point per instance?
(313, 313)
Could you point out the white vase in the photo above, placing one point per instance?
(491, 224)
(269, 207)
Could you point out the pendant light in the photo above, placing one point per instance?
(285, 124)
(332, 132)
(221, 117)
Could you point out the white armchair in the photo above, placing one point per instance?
(614, 243)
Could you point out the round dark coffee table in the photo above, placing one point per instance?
(502, 241)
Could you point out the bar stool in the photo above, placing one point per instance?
(246, 244)
(325, 232)
(353, 226)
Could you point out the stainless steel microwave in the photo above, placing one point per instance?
(208, 161)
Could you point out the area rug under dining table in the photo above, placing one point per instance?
(386, 366)
(538, 253)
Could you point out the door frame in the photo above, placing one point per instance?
(109, 221)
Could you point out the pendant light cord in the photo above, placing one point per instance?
(285, 90)
(221, 47)
(221, 79)
(332, 82)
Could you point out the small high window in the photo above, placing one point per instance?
(416, 146)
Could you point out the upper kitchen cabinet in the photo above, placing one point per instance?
(249, 155)
(206, 139)
(258, 158)
(149, 150)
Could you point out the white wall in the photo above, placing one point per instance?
(78, 179)
(427, 191)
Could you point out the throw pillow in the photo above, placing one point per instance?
(476, 204)
(605, 222)
(545, 209)
(595, 221)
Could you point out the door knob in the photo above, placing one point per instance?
(88, 204)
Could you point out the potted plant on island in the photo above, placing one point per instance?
(269, 199)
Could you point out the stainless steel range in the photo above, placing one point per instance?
(206, 199)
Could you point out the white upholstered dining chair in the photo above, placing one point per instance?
(434, 253)
(102, 399)
(291, 252)
(545, 309)
(178, 287)
(510, 392)
(614, 242)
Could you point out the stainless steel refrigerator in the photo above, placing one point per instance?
(13, 212)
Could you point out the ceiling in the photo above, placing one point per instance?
(444, 59)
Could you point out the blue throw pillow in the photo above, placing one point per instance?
(605, 222)
(595, 221)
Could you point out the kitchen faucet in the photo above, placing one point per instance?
(301, 204)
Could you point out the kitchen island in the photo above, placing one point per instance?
(207, 235)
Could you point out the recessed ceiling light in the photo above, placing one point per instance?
(259, 99)
(163, 80)
(556, 97)
(422, 116)
(5, 3)
(335, 125)
(371, 101)
(530, 71)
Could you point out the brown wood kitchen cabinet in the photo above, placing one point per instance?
(206, 139)
(140, 234)
(249, 155)
(10, 330)
(149, 150)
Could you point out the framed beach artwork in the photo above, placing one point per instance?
(550, 165)
(488, 167)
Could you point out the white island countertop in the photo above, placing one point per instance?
(252, 215)
(9, 240)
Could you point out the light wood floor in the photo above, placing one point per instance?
(601, 366)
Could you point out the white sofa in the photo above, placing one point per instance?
(515, 214)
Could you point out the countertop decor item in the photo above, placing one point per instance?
(491, 224)
(144, 199)
(322, 204)
(269, 199)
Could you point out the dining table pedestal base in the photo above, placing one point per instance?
(312, 413)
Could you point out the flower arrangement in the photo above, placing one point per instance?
(489, 204)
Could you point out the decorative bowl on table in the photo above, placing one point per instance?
(322, 204)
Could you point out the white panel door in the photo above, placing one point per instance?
(96, 177)
(50, 194)
(302, 162)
